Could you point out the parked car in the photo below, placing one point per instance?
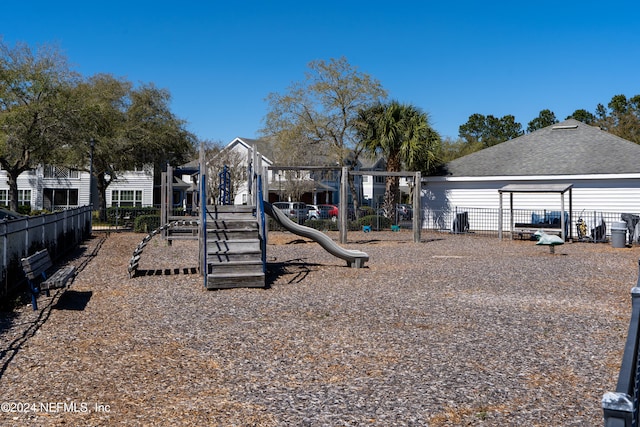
(297, 211)
(405, 212)
(7, 215)
(332, 211)
(318, 211)
(313, 212)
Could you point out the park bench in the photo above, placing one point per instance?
(525, 228)
(550, 223)
(35, 267)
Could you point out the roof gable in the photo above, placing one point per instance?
(567, 148)
(263, 147)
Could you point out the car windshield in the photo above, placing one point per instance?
(9, 215)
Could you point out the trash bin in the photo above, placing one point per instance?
(461, 223)
(618, 234)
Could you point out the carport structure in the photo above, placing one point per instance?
(560, 189)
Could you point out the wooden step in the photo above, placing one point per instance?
(232, 234)
(250, 267)
(228, 281)
(234, 256)
(232, 224)
(233, 246)
(230, 212)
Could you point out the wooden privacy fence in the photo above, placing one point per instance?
(58, 232)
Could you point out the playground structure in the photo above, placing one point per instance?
(232, 238)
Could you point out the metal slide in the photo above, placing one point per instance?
(354, 258)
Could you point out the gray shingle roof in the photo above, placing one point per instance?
(567, 148)
(264, 147)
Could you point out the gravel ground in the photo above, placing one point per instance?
(457, 330)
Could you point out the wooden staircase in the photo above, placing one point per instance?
(234, 248)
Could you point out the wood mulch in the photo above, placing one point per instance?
(457, 330)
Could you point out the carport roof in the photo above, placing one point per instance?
(535, 188)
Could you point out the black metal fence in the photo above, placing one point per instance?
(621, 407)
(121, 218)
(486, 221)
(597, 224)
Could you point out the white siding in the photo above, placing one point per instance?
(609, 195)
(614, 194)
(134, 180)
(35, 181)
(81, 184)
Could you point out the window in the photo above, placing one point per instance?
(24, 197)
(60, 172)
(60, 198)
(379, 179)
(365, 178)
(126, 198)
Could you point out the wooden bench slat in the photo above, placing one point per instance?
(35, 265)
(60, 278)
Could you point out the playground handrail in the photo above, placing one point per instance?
(261, 217)
(621, 407)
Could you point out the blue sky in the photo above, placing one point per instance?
(220, 59)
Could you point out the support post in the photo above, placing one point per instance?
(203, 216)
(417, 206)
(344, 201)
(618, 406)
(511, 222)
(163, 201)
(169, 206)
(571, 213)
(500, 216)
(563, 231)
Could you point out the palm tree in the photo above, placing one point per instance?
(402, 134)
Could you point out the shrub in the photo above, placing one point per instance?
(367, 210)
(24, 209)
(118, 215)
(146, 223)
(322, 224)
(376, 222)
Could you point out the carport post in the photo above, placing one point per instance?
(417, 206)
(500, 217)
(511, 214)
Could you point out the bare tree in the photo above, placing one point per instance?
(315, 117)
(216, 158)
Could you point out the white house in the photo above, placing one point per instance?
(319, 186)
(239, 151)
(374, 187)
(603, 169)
(54, 188)
(132, 188)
